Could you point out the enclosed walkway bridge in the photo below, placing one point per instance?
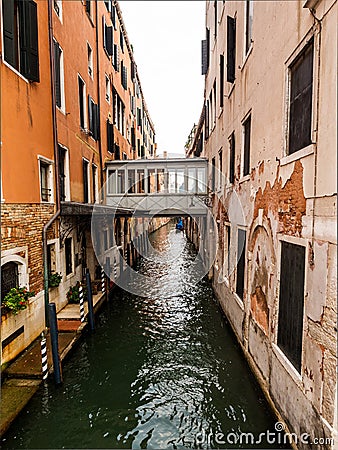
(158, 187)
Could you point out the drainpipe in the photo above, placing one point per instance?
(99, 95)
(56, 164)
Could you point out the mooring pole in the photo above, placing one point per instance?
(55, 343)
(107, 276)
(90, 301)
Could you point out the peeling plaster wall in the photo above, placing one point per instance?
(285, 198)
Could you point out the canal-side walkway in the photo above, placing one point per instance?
(23, 376)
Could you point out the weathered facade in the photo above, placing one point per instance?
(71, 99)
(270, 137)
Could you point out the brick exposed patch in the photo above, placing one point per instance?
(287, 203)
(21, 225)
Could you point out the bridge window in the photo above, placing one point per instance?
(121, 188)
(140, 181)
(201, 180)
(131, 181)
(151, 181)
(192, 180)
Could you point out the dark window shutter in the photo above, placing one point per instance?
(117, 152)
(247, 133)
(62, 175)
(57, 55)
(113, 16)
(124, 77)
(28, 36)
(301, 100)
(232, 159)
(204, 57)
(231, 49)
(206, 119)
(221, 81)
(110, 136)
(96, 122)
(90, 114)
(10, 46)
(208, 45)
(241, 243)
(291, 302)
(88, 6)
(139, 119)
(116, 59)
(132, 70)
(108, 31)
(133, 140)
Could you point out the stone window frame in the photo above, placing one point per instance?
(50, 163)
(308, 150)
(293, 372)
(12, 256)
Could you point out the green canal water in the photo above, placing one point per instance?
(162, 371)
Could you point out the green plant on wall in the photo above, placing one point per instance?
(17, 299)
(54, 279)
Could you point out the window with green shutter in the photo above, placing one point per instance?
(20, 36)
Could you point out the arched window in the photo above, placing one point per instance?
(9, 277)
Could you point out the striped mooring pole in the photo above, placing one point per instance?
(103, 281)
(115, 269)
(82, 311)
(44, 357)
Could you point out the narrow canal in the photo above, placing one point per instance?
(159, 372)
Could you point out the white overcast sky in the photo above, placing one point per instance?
(166, 38)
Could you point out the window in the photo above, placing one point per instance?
(113, 16)
(119, 113)
(95, 184)
(82, 103)
(220, 168)
(246, 158)
(241, 243)
(9, 277)
(20, 37)
(51, 258)
(231, 49)
(85, 170)
(214, 101)
(69, 255)
(213, 174)
(291, 302)
(63, 174)
(58, 8)
(227, 248)
(300, 117)
(59, 76)
(221, 81)
(88, 7)
(232, 159)
(248, 24)
(108, 5)
(215, 17)
(93, 113)
(116, 58)
(206, 115)
(45, 181)
(107, 89)
(90, 60)
(107, 38)
(121, 41)
(205, 52)
(110, 137)
(124, 76)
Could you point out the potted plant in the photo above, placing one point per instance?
(17, 299)
(54, 279)
(73, 294)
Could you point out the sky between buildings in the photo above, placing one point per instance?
(166, 38)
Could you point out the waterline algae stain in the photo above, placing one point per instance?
(159, 372)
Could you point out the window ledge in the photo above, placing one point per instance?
(61, 109)
(245, 178)
(247, 56)
(295, 375)
(231, 88)
(306, 151)
(239, 301)
(13, 69)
